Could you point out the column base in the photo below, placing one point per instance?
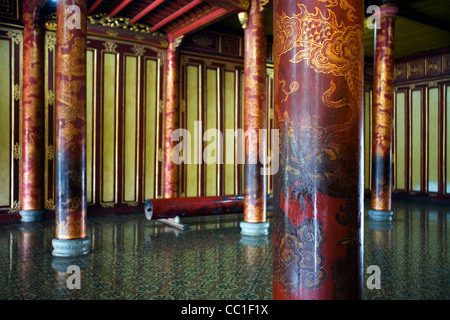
(254, 241)
(32, 215)
(380, 215)
(71, 247)
(254, 228)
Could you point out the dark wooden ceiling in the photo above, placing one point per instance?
(421, 25)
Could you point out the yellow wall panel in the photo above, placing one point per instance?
(131, 74)
(211, 123)
(89, 123)
(151, 100)
(229, 141)
(109, 127)
(400, 142)
(5, 124)
(416, 130)
(433, 140)
(192, 110)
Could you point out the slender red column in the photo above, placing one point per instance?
(254, 113)
(172, 119)
(33, 115)
(318, 190)
(70, 160)
(383, 81)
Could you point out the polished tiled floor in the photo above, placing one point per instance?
(133, 258)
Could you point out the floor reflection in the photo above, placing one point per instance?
(133, 258)
(411, 251)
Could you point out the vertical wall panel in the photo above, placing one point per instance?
(229, 140)
(192, 115)
(400, 141)
(211, 123)
(151, 129)
(433, 140)
(447, 132)
(5, 122)
(109, 127)
(416, 140)
(130, 134)
(90, 109)
(270, 123)
(367, 138)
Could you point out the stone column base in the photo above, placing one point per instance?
(32, 215)
(380, 215)
(254, 228)
(71, 247)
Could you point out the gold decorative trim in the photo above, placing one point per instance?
(120, 22)
(160, 155)
(17, 151)
(177, 41)
(15, 207)
(50, 152)
(15, 35)
(138, 50)
(112, 33)
(50, 41)
(132, 204)
(17, 92)
(263, 5)
(49, 204)
(107, 204)
(50, 98)
(243, 19)
(110, 46)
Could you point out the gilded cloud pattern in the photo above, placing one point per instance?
(334, 48)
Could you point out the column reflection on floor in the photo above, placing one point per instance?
(133, 258)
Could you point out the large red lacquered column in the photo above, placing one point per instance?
(32, 202)
(171, 118)
(70, 162)
(318, 190)
(383, 81)
(254, 120)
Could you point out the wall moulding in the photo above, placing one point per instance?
(117, 28)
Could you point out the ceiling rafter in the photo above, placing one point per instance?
(117, 9)
(94, 6)
(147, 10)
(175, 15)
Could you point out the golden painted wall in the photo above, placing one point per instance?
(212, 98)
(125, 100)
(10, 108)
(421, 118)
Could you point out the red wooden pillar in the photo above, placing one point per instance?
(318, 190)
(32, 202)
(254, 120)
(171, 117)
(383, 81)
(70, 162)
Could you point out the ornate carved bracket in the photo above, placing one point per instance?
(243, 19)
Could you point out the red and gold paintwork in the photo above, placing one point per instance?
(33, 109)
(254, 113)
(318, 190)
(382, 111)
(172, 120)
(193, 206)
(70, 165)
